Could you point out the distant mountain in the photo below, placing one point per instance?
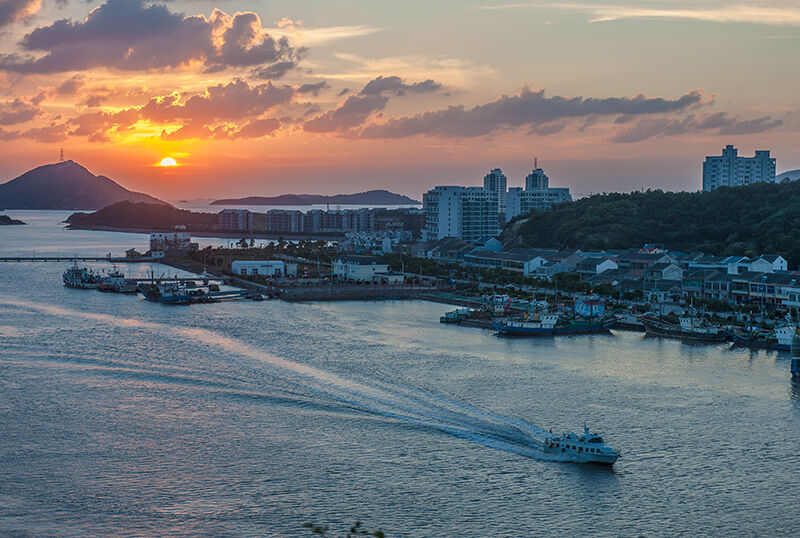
(65, 185)
(376, 197)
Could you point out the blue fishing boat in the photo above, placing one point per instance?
(551, 324)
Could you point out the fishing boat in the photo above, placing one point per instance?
(582, 448)
(547, 324)
(779, 338)
(81, 278)
(455, 316)
(115, 281)
(171, 292)
(687, 328)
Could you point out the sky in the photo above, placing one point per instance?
(266, 97)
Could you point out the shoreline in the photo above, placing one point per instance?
(217, 235)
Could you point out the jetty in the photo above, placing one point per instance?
(123, 259)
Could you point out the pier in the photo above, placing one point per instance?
(110, 259)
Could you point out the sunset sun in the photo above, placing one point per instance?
(168, 161)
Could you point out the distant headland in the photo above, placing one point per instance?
(374, 197)
(66, 185)
(5, 220)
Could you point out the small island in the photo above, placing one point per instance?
(373, 197)
(5, 220)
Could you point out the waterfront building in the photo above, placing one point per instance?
(236, 220)
(273, 268)
(359, 268)
(467, 213)
(496, 182)
(282, 220)
(171, 241)
(537, 195)
(730, 170)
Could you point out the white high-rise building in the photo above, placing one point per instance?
(469, 213)
(730, 170)
(537, 196)
(537, 180)
(495, 181)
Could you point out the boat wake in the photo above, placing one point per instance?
(401, 403)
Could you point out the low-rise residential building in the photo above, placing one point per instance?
(359, 268)
(179, 240)
(448, 249)
(663, 271)
(549, 269)
(270, 268)
(595, 266)
(283, 220)
(236, 220)
(589, 307)
(524, 261)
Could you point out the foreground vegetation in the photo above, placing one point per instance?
(757, 219)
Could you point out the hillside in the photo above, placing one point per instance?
(127, 214)
(65, 185)
(761, 218)
(5, 220)
(374, 197)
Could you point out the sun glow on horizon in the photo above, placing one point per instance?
(168, 161)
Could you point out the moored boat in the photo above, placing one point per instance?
(779, 338)
(551, 324)
(81, 278)
(115, 281)
(687, 328)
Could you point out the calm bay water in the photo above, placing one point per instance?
(119, 416)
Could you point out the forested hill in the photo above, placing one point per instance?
(762, 218)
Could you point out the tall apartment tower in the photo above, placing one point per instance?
(537, 196)
(469, 213)
(496, 182)
(730, 170)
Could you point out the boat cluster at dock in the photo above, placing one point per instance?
(157, 289)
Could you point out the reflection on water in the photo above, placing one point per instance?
(123, 416)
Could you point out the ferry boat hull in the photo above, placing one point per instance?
(585, 448)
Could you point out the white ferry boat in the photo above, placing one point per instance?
(584, 448)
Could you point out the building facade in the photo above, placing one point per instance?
(537, 195)
(496, 182)
(467, 213)
(730, 170)
(236, 220)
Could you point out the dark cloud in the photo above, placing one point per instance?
(252, 129)
(71, 86)
(223, 102)
(650, 127)
(758, 125)
(18, 111)
(14, 10)
(352, 113)
(395, 84)
(527, 109)
(129, 35)
(51, 133)
(668, 126)
(314, 88)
